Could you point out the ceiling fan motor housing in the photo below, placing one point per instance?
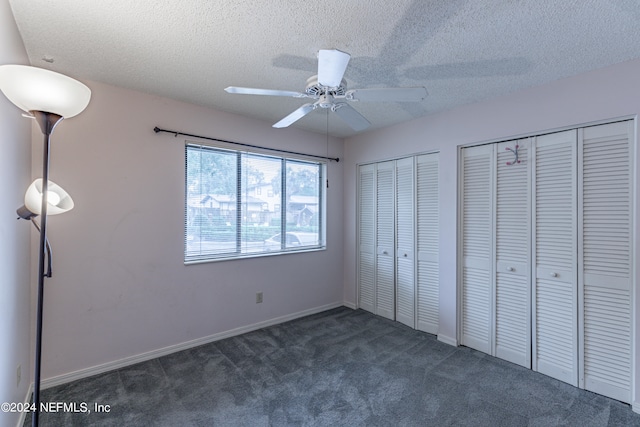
(315, 89)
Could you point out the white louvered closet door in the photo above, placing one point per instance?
(512, 272)
(555, 299)
(605, 267)
(385, 240)
(405, 236)
(366, 237)
(427, 236)
(477, 242)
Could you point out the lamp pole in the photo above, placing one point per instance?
(48, 97)
(47, 122)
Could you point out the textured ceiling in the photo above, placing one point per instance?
(462, 51)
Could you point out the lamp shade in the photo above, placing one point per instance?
(37, 89)
(58, 200)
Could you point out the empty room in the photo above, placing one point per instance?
(331, 213)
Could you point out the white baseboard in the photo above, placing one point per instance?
(350, 305)
(448, 340)
(635, 407)
(143, 357)
(27, 400)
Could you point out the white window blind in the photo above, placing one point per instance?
(240, 204)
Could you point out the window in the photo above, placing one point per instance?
(227, 217)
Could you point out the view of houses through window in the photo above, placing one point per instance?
(240, 203)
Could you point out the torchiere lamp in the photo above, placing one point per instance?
(48, 97)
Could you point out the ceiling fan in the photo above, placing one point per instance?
(329, 89)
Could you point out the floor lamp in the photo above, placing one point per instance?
(48, 97)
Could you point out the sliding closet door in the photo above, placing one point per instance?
(427, 233)
(366, 237)
(478, 247)
(405, 286)
(555, 299)
(512, 271)
(385, 240)
(606, 309)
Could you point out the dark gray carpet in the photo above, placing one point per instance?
(337, 368)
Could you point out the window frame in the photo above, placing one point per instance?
(238, 253)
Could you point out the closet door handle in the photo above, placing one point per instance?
(405, 255)
(554, 274)
(510, 269)
(385, 253)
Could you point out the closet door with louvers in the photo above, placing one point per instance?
(366, 237)
(513, 271)
(385, 240)
(555, 299)
(477, 247)
(405, 286)
(605, 260)
(427, 236)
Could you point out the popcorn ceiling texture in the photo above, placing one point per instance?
(462, 51)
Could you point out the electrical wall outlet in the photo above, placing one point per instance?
(18, 375)
(258, 297)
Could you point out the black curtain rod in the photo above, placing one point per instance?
(176, 133)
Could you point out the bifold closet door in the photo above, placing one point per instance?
(366, 237)
(555, 298)
(405, 236)
(512, 334)
(385, 240)
(478, 189)
(606, 259)
(427, 245)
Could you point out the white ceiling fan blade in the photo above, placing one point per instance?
(296, 115)
(388, 94)
(272, 92)
(332, 64)
(351, 116)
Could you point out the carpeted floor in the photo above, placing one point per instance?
(337, 368)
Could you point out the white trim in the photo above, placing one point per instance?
(549, 131)
(459, 245)
(27, 400)
(350, 305)
(257, 255)
(447, 340)
(635, 209)
(153, 354)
